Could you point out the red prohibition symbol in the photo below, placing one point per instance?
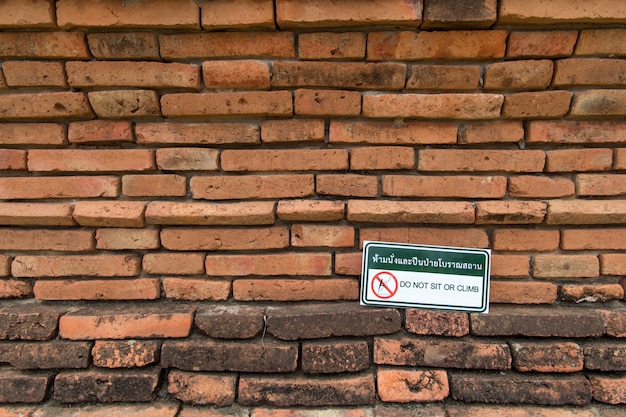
(384, 285)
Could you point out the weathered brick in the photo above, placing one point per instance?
(601, 42)
(391, 133)
(125, 103)
(600, 184)
(612, 263)
(348, 263)
(608, 389)
(454, 14)
(38, 13)
(566, 266)
(96, 160)
(443, 77)
(310, 263)
(538, 12)
(164, 185)
(619, 159)
(43, 45)
(136, 289)
(505, 292)
(254, 103)
(387, 211)
(155, 409)
(586, 212)
(196, 133)
(433, 106)
(590, 239)
(519, 75)
(537, 104)
(37, 214)
(307, 391)
(122, 321)
(382, 157)
(327, 103)
(123, 238)
(351, 185)
(466, 410)
(45, 355)
(510, 212)
(211, 239)
(28, 322)
(588, 72)
(110, 213)
(284, 160)
(233, 321)
(304, 235)
(510, 265)
(414, 410)
(327, 289)
(570, 131)
(13, 288)
(187, 159)
(538, 240)
(557, 43)
(547, 357)
(480, 160)
(530, 186)
(24, 387)
(309, 210)
(408, 386)
(32, 134)
(591, 293)
(125, 353)
(34, 74)
(599, 103)
(173, 263)
(605, 356)
(335, 357)
(181, 213)
(202, 389)
(100, 131)
(330, 320)
(46, 239)
(237, 75)
(292, 130)
(444, 186)
(615, 321)
(5, 265)
(196, 289)
(568, 160)
(241, 14)
(329, 45)
(123, 46)
(75, 265)
(237, 187)
(3, 82)
(437, 323)
(189, 411)
(30, 106)
(452, 45)
(12, 159)
(204, 354)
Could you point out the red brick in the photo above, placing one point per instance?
(196, 289)
(589, 72)
(163, 185)
(255, 103)
(608, 389)
(240, 14)
(46, 355)
(125, 103)
(382, 157)
(509, 410)
(285, 160)
(202, 389)
(100, 131)
(333, 289)
(544, 357)
(173, 263)
(348, 263)
(410, 211)
(5, 265)
(599, 103)
(452, 45)
(444, 186)
(537, 104)
(75, 266)
(392, 410)
(504, 131)
(532, 240)
(480, 160)
(251, 186)
(327, 13)
(454, 14)
(510, 212)
(601, 42)
(236, 75)
(327, 103)
(292, 130)
(183, 14)
(125, 354)
(126, 322)
(570, 131)
(310, 210)
(566, 266)
(32, 134)
(234, 321)
(433, 106)
(136, 289)
(187, 159)
(264, 45)
(120, 239)
(13, 288)
(541, 44)
(123, 46)
(12, 159)
(465, 237)
(3, 82)
(156, 409)
(28, 322)
(539, 12)
(211, 239)
(605, 356)
(43, 45)
(243, 213)
(189, 411)
(34, 74)
(196, 133)
(37, 13)
(303, 235)
(443, 77)
(590, 239)
(110, 213)
(409, 386)
(437, 323)
(613, 264)
(29, 106)
(329, 45)
(314, 264)
(37, 214)
(586, 212)
(619, 159)
(351, 185)
(504, 292)
(519, 75)
(96, 160)
(510, 265)
(571, 160)
(391, 133)
(333, 357)
(23, 387)
(615, 322)
(591, 293)
(46, 239)
(527, 186)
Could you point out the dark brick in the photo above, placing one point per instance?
(511, 388)
(28, 322)
(23, 387)
(547, 357)
(124, 45)
(459, 14)
(603, 356)
(106, 385)
(327, 320)
(608, 389)
(335, 357)
(46, 355)
(230, 321)
(125, 353)
(202, 354)
(437, 323)
(307, 391)
(615, 321)
(538, 322)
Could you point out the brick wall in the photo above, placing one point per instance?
(185, 187)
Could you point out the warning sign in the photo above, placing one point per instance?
(419, 276)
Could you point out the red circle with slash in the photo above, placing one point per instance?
(384, 285)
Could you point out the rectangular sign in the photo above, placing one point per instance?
(419, 276)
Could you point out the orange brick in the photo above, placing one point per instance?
(453, 14)
(196, 289)
(327, 103)
(566, 266)
(480, 160)
(201, 388)
(100, 131)
(31, 106)
(620, 158)
(504, 131)
(292, 130)
(350, 185)
(537, 104)
(12, 159)
(544, 357)
(240, 14)
(197, 133)
(43, 45)
(453, 45)
(444, 77)
(96, 160)
(390, 133)
(34, 74)
(348, 263)
(46, 239)
(387, 211)
(586, 212)
(541, 44)
(263, 45)
(173, 263)
(125, 103)
(519, 75)
(181, 213)
(310, 210)
(285, 160)
(572, 160)
(32, 134)
(135, 289)
(236, 75)
(37, 13)
(256, 103)
(303, 235)
(327, 13)
(3, 82)
(437, 323)
(504, 292)
(75, 265)
(13, 288)
(37, 214)
(187, 159)
(601, 42)
(506, 266)
(533, 240)
(613, 264)
(163, 185)
(123, 46)
(444, 186)
(58, 187)
(382, 157)
(5, 265)
(510, 212)
(251, 186)
(466, 237)
(570, 131)
(182, 14)
(590, 239)
(310, 263)
(212, 239)
(433, 106)
(125, 354)
(110, 213)
(125, 322)
(120, 239)
(589, 72)
(608, 389)
(539, 12)
(409, 386)
(329, 45)
(333, 289)
(599, 103)
(591, 293)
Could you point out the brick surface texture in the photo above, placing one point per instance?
(186, 188)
